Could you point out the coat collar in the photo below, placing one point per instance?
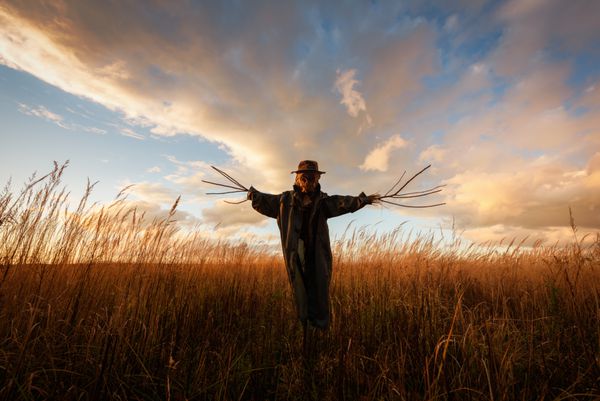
(316, 195)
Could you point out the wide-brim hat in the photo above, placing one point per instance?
(308, 166)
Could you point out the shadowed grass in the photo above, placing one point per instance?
(99, 303)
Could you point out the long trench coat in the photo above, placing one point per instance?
(308, 266)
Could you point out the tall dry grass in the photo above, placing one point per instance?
(100, 303)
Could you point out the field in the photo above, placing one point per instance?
(101, 303)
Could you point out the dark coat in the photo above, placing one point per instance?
(309, 280)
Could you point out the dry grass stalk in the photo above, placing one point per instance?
(98, 303)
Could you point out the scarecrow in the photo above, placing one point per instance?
(302, 215)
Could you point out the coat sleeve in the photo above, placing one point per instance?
(266, 204)
(337, 205)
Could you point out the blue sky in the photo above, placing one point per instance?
(501, 97)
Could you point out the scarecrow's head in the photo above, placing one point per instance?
(307, 175)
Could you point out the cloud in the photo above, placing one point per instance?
(398, 68)
(43, 113)
(535, 26)
(225, 215)
(151, 192)
(132, 134)
(151, 212)
(189, 175)
(501, 236)
(351, 98)
(93, 130)
(536, 195)
(378, 158)
(154, 169)
(245, 89)
(484, 93)
(434, 153)
(593, 166)
(451, 23)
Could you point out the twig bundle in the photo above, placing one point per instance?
(235, 186)
(390, 194)
(394, 193)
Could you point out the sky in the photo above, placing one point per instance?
(502, 98)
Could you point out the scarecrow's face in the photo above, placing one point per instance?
(307, 181)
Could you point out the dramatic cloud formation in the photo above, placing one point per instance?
(502, 97)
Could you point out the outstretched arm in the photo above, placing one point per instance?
(266, 204)
(337, 205)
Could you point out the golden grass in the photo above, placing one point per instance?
(99, 303)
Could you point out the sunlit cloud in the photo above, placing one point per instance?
(223, 215)
(151, 212)
(535, 196)
(506, 238)
(434, 153)
(378, 158)
(351, 98)
(151, 192)
(188, 174)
